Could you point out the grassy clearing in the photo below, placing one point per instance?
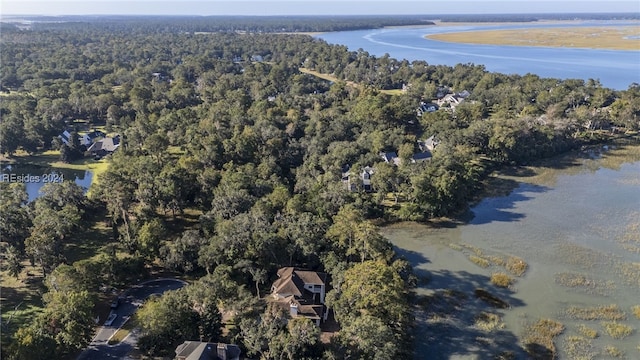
(501, 279)
(516, 266)
(334, 79)
(539, 338)
(586, 331)
(20, 299)
(617, 330)
(578, 347)
(610, 37)
(602, 312)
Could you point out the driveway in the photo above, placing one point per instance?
(134, 297)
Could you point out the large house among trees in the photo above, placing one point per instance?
(301, 293)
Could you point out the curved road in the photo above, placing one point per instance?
(134, 297)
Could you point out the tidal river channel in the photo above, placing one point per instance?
(575, 222)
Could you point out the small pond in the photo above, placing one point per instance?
(34, 177)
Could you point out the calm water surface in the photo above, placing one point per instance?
(34, 177)
(615, 69)
(582, 219)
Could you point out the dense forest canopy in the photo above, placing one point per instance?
(226, 126)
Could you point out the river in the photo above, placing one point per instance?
(614, 69)
(575, 221)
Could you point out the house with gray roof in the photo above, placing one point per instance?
(104, 147)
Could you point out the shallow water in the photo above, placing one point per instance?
(579, 216)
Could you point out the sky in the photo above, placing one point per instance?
(309, 7)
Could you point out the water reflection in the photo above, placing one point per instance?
(34, 177)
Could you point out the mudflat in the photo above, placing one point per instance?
(616, 37)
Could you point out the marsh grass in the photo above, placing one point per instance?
(480, 261)
(613, 37)
(581, 256)
(584, 283)
(455, 247)
(630, 273)
(613, 351)
(602, 312)
(516, 265)
(636, 311)
(488, 322)
(578, 347)
(617, 330)
(501, 279)
(539, 338)
(586, 331)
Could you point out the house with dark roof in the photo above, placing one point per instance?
(391, 157)
(426, 108)
(65, 136)
(85, 139)
(420, 157)
(90, 137)
(301, 293)
(198, 350)
(104, 147)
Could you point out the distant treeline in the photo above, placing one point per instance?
(533, 17)
(267, 24)
(253, 24)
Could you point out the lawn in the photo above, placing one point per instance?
(20, 299)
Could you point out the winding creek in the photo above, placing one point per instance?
(575, 221)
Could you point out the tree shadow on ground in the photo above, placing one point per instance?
(451, 320)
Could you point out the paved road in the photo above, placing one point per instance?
(98, 348)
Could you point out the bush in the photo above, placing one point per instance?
(516, 265)
(501, 279)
